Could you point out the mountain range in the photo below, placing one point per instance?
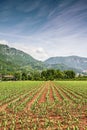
(72, 62)
(12, 60)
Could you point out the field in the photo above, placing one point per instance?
(43, 105)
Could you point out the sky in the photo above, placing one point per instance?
(45, 28)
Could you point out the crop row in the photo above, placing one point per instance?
(46, 106)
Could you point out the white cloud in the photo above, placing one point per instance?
(36, 52)
(62, 31)
(40, 53)
(3, 42)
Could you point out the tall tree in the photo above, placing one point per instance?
(18, 75)
(69, 74)
(24, 76)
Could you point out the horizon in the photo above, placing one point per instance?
(45, 29)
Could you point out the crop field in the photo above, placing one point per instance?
(43, 105)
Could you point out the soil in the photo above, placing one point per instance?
(58, 95)
(51, 95)
(26, 113)
(43, 97)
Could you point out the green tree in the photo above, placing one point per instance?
(59, 74)
(30, 76)
(36, 75)
(43, 75)
(69, 74)
(24, 76)
(17, 76)
(48, 74)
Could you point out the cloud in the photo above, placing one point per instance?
(44, 29)
(41, 53)
(36, 52)
(3, 42)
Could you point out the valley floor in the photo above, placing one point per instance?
(43, 105)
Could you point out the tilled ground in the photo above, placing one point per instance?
(45, 112)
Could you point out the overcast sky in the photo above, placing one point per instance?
(45, 28)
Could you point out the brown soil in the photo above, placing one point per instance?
(65, 95)
(56, 91)
(51, 95)
(44, 89)
(43, 97)
(3, 107)
(33, 99)
(58, 95)
(71, 93)
(83, 122)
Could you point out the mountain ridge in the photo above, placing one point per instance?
(14, 59)
(72, 61)
(18, 59)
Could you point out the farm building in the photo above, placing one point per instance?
(8, 77)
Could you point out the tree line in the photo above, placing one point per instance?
(49, 74)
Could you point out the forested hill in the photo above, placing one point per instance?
(70, 61)
(12, 59)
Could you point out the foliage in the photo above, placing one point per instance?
(69, 74)
(12, 60)
(49, 74)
